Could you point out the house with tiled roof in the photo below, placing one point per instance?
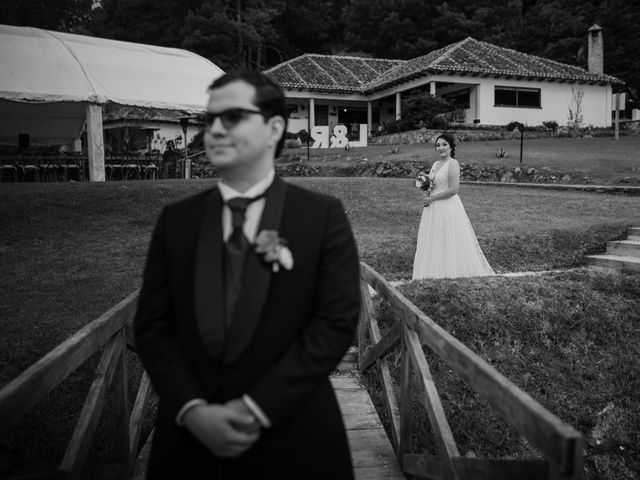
(129, 127)
(488, 84)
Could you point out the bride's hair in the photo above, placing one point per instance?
(447, 137)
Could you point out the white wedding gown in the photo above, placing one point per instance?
(447, 246)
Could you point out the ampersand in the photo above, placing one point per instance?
(339, 139)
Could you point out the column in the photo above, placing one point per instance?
(95, 143)
(478, 104)
(398, 107)
(312, 113)
(432, 88)
(369, 116)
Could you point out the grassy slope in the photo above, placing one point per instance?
(71, 251)
(571, 340)
(604, 160)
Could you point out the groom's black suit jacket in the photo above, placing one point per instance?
(290, 331)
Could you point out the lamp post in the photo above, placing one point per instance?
(521, 141)
(184, 123)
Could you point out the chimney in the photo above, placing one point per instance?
(595, 53)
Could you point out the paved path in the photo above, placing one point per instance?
(620, 189)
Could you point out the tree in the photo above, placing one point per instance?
(619, 22)
(60, 15)
(575, 109)
(388, 28)
(420, 109)
(155, 22)
(232, 33)
(306, 26)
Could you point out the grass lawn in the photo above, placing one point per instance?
(70, 251)
(604, 160)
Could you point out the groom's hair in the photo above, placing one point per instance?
(269, 98)
(447, 137)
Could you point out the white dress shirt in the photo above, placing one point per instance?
(250, 229)
(254, 210)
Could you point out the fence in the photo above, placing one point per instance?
(561, 444)
(108, 332)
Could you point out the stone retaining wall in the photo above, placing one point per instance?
(409, 169)
(469, 172)
(428, 136)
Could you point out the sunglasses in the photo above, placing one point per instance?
(229, 118)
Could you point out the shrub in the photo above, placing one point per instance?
(197, 143)
(550, 125)
(513, 125)
(420, 109)
(438, 123)
(304, 136)
(292, 143)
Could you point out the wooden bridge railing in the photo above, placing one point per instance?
(561, 444)
(109, 332)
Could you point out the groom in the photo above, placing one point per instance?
(249, 300)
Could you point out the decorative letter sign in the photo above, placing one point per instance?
(320, 135)
(339, 138)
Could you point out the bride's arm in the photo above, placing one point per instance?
(453, 181)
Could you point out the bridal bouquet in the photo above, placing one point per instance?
(423, 182)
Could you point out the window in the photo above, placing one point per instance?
(517, 97)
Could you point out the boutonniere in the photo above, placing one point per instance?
(275, 251)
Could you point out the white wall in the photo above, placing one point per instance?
(555, 99)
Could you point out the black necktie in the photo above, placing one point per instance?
(236, 249)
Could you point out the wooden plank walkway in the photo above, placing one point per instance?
(371, 451)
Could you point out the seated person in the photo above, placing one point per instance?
(169, 159)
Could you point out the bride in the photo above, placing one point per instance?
(447, 246)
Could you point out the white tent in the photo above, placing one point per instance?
(51, 83)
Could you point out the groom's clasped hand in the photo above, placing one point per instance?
(227, 430)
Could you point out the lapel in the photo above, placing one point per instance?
(256, 279)
(209, 274)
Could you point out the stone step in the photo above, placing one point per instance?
(633, 231)
(615, 262)
(624, 248)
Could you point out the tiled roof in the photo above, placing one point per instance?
(330, 73)
(115, 112)
(467, 57)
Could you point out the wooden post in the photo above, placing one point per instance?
(122, 408)
(405, 400)
(369, 116)
(398, 105)
(95, 143)
(363, 323)
(617, 117)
